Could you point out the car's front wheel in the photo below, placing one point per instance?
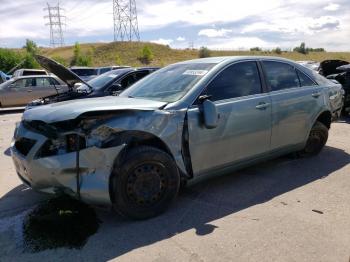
(317, 140)
(145, 183)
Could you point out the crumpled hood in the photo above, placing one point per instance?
(68, 110)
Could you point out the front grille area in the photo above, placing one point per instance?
(24, 145)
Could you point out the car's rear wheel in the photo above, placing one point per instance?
(146, 183)
(317, 140)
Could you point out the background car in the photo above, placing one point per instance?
(19, 91)
(115, 81)
(338, 70)
(313, 65)
(29, 72)
(104, 85)
(4, 77)
(88, 73)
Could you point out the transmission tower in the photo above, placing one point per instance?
(56, 23)
(126, 26)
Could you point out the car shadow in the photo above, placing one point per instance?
(7, 152)
(198, 205)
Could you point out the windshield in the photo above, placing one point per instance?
(169, 84)
(5, 84)
(102, 80)
(85, 71)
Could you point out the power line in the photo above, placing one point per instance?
(126, 26)
(55, 23)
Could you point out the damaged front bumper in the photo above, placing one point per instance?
(58, 173)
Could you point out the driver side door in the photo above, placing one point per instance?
(244, 129)
(19, 93)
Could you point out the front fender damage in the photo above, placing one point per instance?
(86, 172)
(95, 167)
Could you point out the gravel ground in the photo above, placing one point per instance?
(282, 210)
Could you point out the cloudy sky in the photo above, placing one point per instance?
(218, 24)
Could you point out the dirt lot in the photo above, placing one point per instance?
(283, 210)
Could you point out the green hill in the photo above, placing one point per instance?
(128, 53)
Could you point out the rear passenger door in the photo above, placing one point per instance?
(244, 129)
(295, 98)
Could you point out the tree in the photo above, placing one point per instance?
(9, 59)
(31, 47)
(301, 49)
(255, 49)
(146, 56)
(204, 52)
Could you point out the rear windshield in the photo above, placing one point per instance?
(33, 73)
(85, 72)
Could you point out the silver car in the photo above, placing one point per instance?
(185, 121)
(19, 91)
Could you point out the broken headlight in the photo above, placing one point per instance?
(63, 145)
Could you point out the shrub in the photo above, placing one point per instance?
(255, 49)
(277, 51)
(204, 52)
(146, 56)
(80, 59)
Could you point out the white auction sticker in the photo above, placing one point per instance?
(195, 72)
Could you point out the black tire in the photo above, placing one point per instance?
(317, 140)
(145, 184)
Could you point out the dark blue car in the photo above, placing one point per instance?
(110, 83)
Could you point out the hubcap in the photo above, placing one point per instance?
(146, 184)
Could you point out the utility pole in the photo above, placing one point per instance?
(56, 24)
(125, 20)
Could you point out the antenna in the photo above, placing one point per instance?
(126, 26)
(55, 23)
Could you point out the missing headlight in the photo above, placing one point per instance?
(64, 145)
(72, 141)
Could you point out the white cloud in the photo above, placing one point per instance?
(239, 43)
(331, 7)
(214, 32)
(181, 39)
(162, 41)
(294, 25)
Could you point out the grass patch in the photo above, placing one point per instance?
(59, 222)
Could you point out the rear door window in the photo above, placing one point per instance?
(22, 83)
(280, 75)
(241, 79)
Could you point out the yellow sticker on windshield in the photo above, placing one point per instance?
(195, 72)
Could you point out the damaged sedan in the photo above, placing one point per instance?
(188, 120)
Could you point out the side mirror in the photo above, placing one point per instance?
(210, 113)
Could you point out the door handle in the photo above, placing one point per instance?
(29, 91)
(316, 95)
(262, 106)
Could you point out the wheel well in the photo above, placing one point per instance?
(134, 139)
(326, 119)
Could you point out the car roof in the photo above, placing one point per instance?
(82, 67)
(34, 76)
(227, 59)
